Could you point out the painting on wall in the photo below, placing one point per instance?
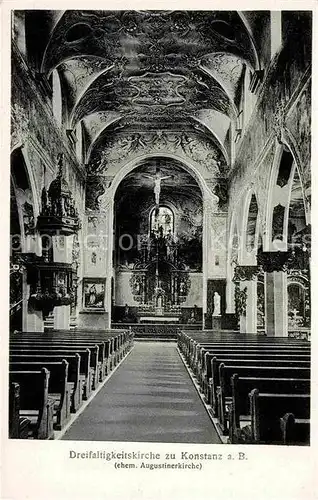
(94, 293)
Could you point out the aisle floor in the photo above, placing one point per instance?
(150, 398)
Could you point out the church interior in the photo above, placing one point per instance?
(160, 226)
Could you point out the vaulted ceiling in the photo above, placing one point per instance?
(146, 71)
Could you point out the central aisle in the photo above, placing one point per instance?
(149, 398)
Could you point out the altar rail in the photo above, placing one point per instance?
(300, 334)
(160, 330)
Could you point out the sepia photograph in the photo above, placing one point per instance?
(160, 230)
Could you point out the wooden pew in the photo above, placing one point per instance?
(35, 403)
(14, 409)
(287, 357)
(199, 350)
(67, 341)
(203, 364)
(235, 390)
(207, 351)
(74, 379)
(18, 426)
(186, 337)
(261, 361)
(295, 431)
(267, 410)
(203, 349)
(115, 343)
(89, 356)
(58, 387)
(188, 344)
(80, 392)
(120, 340)
(68, 347)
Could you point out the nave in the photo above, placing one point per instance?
(149, 398)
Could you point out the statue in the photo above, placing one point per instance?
(217, 304)
(159, 302)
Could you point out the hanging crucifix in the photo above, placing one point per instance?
(157, 187)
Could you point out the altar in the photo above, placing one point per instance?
(159, 314)
(159, 319)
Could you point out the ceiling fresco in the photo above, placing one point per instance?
(114, 148)
(149, 40)
(152, 73)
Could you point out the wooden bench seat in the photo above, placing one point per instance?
(196, 347)
(203, 349)
(59, 389)
(35, 403)
(80, 392)
(266, 412)
(111, 348)
(67, 347)
(203, 367)
(120, 341)
(19, 427)
(75, 382)
(277, 357)
(295, 431)
(207, 350)
(99, 349)
(234, 393)
(279, 364)
(188, 341)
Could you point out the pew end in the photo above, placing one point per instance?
(295, 432)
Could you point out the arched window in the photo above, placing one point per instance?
(162, 218)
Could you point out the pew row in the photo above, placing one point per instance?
(35, 404)
(267, 411)
(294, 368)
(59, 389)
(274, 366)
(18, 426)
(234, 400)
(76, 363)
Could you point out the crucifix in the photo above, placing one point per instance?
(157, 187)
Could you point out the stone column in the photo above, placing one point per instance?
(251, 306)
(214, 249)
(109, 209)
(276, 299)
(230, 298)
(62, 252)
(247, 277)
(276, 304)
(230, 293)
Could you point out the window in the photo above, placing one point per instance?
(162, 221)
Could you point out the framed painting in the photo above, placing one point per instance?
(94, 294)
